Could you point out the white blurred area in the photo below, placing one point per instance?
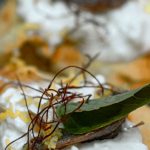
(123, 34)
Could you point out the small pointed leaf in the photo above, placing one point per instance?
(99, 113)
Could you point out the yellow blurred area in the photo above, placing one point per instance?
(147, 8)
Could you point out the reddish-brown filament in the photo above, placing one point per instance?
(62, 96)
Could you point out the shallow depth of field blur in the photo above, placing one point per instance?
(43, 36)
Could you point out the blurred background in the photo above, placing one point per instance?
(39, 37)
(63, 32)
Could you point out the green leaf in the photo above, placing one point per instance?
(99, 113)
